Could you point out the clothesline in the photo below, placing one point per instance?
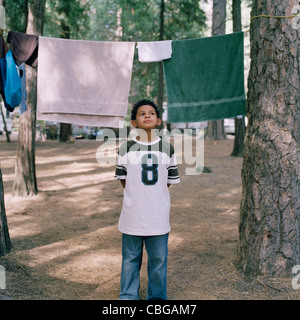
(270, 16)
(81, 80)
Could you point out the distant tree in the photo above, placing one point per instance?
(215, 130)
(67, 19)
(239, 123)
(16, 14)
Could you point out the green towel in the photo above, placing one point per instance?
(205, 78)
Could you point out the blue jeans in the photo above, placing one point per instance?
(132, 251)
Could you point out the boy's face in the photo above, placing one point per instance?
(146, 118)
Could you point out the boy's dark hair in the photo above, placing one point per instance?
(143, 102)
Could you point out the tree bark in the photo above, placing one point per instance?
(5, 244)
(25, 183)
(5, 126)
(269, 237)
(65, 132)
(160, 64)
(215, 130)
(239, 123)
(2, 3)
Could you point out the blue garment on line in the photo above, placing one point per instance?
(23, 106)
(3, 82)
(13, 87)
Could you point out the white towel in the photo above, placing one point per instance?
(84, 82)
(154, 51)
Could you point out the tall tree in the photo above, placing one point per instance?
(66, 19)
(215, 129)
(269, 229)
(17, 14)
(4, 125)
(5, 244)
(2, 3)
(160, 64)
(25, 174)
(239, 123)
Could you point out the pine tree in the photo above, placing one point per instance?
(269, 230)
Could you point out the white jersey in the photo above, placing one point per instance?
(147, 168)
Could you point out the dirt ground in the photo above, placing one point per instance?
(66, 244)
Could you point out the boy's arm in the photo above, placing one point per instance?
(121, 171)
(173, 175)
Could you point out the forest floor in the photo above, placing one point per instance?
(66, 243)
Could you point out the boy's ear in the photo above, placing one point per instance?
(133, 122)
(158, 121)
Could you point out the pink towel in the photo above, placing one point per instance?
(84, 82)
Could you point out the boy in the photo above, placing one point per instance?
(146, 167)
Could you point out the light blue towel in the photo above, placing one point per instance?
(13, 87)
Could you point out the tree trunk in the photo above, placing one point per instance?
(215, 130)
(4, 125)
(239, 123)
(65, 132)
(2, 3)
(25, 183)
(5, 244)
(160, 64)
(269, 237)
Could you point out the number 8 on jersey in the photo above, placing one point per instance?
(149, 169)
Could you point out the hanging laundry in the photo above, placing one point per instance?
(23, 106)
(3, 52)
(154, 51)
(3, 82)
(12, 87)
(84, 82)
(24, 47)
(205, 79)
